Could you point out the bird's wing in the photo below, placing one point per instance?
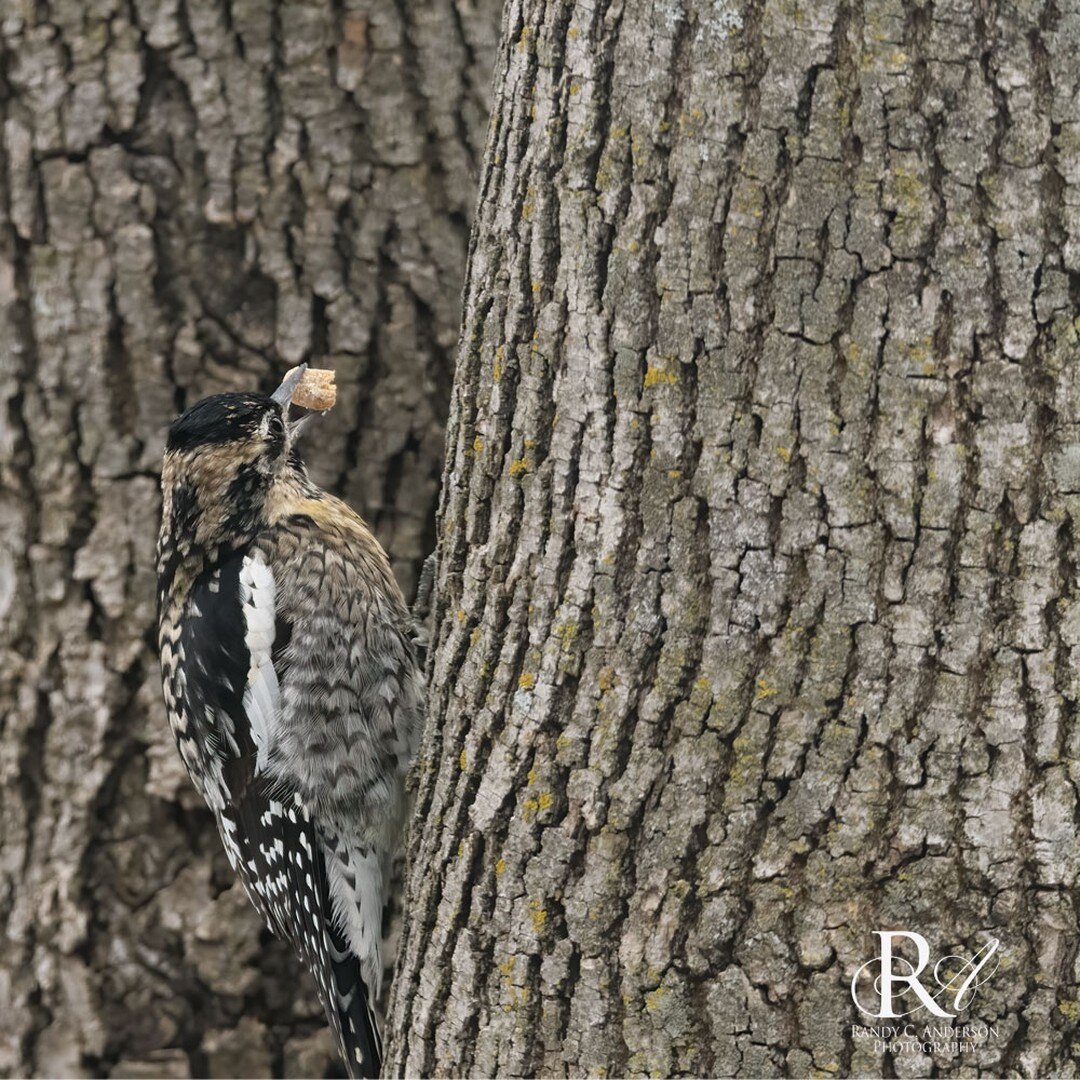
(232, 648)
(354, 695)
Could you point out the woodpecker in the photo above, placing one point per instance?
(293, 689)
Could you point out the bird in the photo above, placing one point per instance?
(293, 686)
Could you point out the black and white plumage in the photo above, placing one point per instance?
(292, 688)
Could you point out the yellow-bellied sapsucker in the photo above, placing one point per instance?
(292, 689)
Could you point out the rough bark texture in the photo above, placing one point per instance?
(194, 195)
(758, 616)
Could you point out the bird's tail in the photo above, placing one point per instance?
(351, 1013)
(283, 867)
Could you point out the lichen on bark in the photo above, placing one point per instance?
(756, 613)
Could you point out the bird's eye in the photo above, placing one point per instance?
(271, 427)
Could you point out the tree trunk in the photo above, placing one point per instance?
(193, 196)
(757, 615)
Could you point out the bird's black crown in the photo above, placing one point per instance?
(225, 418)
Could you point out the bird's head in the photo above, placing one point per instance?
(221, 458)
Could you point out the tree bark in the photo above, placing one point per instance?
(757, 614)
(193, 196)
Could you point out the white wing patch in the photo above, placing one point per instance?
(262, 696)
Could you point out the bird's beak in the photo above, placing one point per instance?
(297, 427)
(283, 394)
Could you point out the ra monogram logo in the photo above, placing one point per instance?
(891, 986)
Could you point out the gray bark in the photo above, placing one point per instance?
(194, 195)
(757, 615)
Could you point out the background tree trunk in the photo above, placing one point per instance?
(758, 614)
(193, 196)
